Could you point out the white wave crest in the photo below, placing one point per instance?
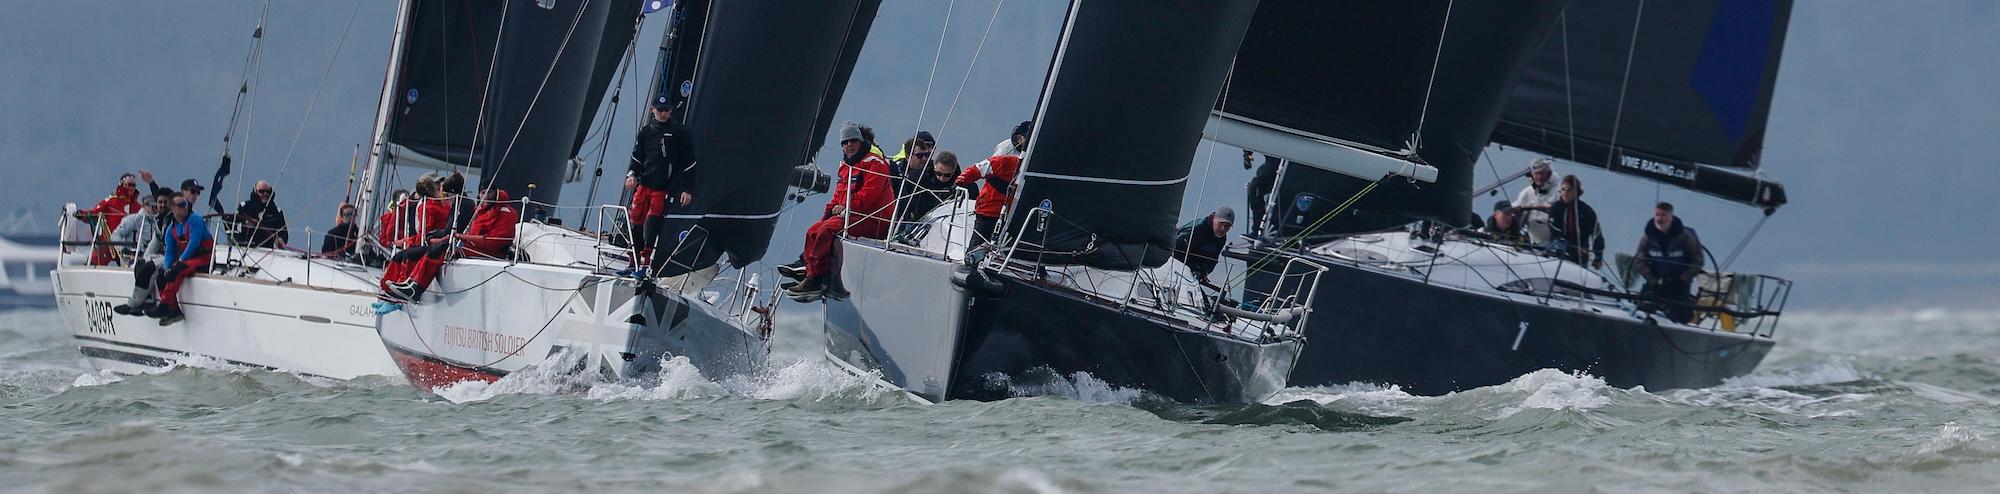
(554, 374)
(1369, 398)
(679, 380)
(811, 379)
(1830, 371)
(1079, 386)
(1551, 389)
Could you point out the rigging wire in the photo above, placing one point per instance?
(1618, 116)
(968, 68)
(479, 121)
(604, 144)
(560, 50)
(249, 102)
(1417, 141)
(317, 91)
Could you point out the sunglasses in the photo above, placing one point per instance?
(921, 155)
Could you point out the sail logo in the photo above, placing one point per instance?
(1659, 169)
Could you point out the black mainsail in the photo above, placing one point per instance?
(505, 88)
(1122, 111)
(1676, 92)
(764, 83)
(1419, 81)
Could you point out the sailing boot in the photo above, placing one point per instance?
(171, 315)
(796, 270)
(809, 290)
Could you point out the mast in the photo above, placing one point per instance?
(371, 175)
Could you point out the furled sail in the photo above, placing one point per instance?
(1677, 92)
(1449, 66)
(1127, 95)
(765, 74)
(504, 89)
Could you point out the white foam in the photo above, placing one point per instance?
(1551, 389)
(1369, 398)
(1079, 386)
(1818, 373)
(810, 379)
(1952, 440)
(553, 375)
(98, 378)
(679, 380)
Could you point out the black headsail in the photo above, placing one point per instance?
(505, 89)
(765, 74)
(1421, 81)
(1127, 95)
(1690, 105)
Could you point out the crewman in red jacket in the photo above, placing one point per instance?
(124, 200)
(995, 177)
(863, 203)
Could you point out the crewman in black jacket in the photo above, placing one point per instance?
(663, 167)
(259, 221)
(1199, 246)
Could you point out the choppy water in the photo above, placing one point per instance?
(1883, 402)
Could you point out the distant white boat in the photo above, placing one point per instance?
(25, 263)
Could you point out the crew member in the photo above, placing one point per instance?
(663, 169)
(341, 240)
(1504, 224)
(862, 205)
(995, 177)
(1199, 245)
(144, 231)
(1540, 192)
(429, 217)
(108, 214)
(1669, 257)
(1260, 188)
(1017, 142)
(187, 251)
(259, 219)
(1574, 224)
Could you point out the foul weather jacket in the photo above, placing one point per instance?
(1672, 255)
(663, 158)
(864, 188)
(494, 224)
(1575, 225)
(262, 223)
(188, 240)
(997, 174)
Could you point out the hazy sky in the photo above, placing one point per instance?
(1882, 129)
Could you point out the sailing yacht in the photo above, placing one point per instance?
(1671, 92)
(760, 81)
(1082, 281)
(269, 308)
